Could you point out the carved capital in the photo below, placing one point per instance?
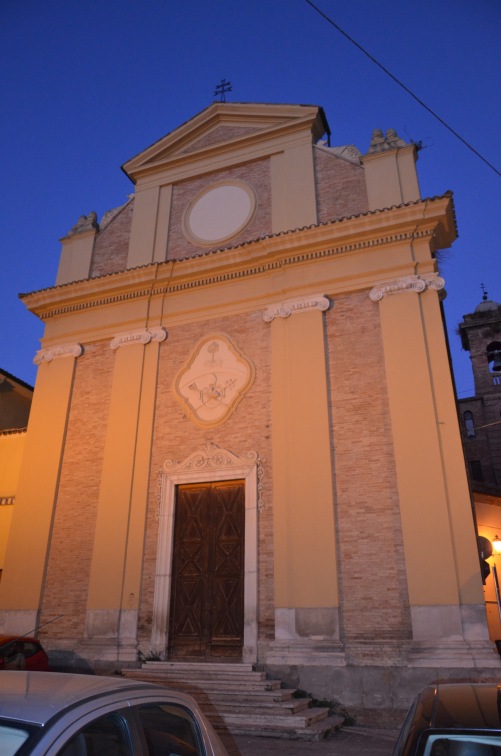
(416, 284)
(47, 355)
(138, 337)
(434, 281)
(293, 306)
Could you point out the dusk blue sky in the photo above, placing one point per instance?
(86, 85)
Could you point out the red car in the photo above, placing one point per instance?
(22, 653)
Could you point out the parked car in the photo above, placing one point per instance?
(53, 713)
(22, 653)
(456, 719)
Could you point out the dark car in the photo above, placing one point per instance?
(454, 719)
(60, 714)
(22, 653)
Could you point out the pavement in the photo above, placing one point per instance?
(349, 741)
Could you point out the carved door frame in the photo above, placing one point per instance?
(209, 464)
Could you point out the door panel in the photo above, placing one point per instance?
(206, 618)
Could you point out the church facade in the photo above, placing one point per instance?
(243, 442)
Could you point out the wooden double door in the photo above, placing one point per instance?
(207, 593)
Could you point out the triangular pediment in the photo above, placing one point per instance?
(222, 126)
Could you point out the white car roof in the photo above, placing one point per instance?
(35, 697)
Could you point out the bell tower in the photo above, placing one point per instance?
(480, 415)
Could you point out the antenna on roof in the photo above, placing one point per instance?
(221, 89)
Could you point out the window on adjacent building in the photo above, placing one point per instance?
(476, 470)
(494, 357)
(469, 424)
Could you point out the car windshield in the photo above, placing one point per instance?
(12, 737)
(463, 744)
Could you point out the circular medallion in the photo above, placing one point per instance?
(219, 212)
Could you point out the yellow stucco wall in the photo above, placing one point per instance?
(11, 455)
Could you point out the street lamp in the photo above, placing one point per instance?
(496, 545)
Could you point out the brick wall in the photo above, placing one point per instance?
(218, 135)
(256, 174)
(71, 546)
(249, 428)
(340, 186)
(373, 589)
(111, 246)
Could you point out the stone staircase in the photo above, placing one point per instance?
(239, 700)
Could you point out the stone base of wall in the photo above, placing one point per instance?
(376, 683)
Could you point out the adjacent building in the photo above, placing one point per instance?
(15, 405)
(244, 442)
(480, 416)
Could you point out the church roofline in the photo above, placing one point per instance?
(280, 234)
(267, 118)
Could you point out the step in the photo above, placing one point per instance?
(254, 698)
(201, 674)
(316, 731)
(288, 709)
(200, 667)
(303, 719)
(205, 683)
(237, 699)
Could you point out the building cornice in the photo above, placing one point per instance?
(427, 221)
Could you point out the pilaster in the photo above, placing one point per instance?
(445, 592)
(77, 249)
(112, 603)
(36, 496)
(150, 224)
(293, 187)
(306, 585)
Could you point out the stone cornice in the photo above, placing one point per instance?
(6, 501)
(56, 353)
(294, 306)
(138, 337)
(371, 231)
(404, 284)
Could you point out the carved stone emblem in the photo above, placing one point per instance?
(213, 381)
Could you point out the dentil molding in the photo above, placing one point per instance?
(55, 353)
(138, 337)
(293, 306)
(416, 284)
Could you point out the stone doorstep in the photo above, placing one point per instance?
(241, 700)
(200, 668)
(205, 672)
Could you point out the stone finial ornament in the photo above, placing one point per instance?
(84, 223)
(393, 140)
(381, 143)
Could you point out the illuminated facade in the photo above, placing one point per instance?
(244, 441)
